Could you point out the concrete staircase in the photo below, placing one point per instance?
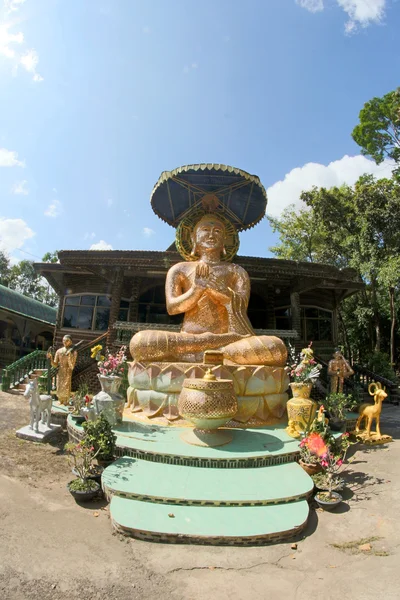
(251, 491)
(21, 387)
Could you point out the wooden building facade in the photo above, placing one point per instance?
(120, 292)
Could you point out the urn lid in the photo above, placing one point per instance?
(208, 382)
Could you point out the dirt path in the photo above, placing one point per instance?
(52, 548)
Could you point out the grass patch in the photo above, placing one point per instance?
(353, 546)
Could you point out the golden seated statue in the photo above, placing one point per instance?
(213, 294)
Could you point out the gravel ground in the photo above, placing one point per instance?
(51, 547)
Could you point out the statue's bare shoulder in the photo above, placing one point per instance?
(238, 271)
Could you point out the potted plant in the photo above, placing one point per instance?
(322, 482)
(303, 370)
(100, 436)
(79, 401)
(81, 457)
(336, 406)
(111, 370)
(331, 454)
(310, 456)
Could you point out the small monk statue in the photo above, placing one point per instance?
(213, 295)
(338, 370)
(64, 359)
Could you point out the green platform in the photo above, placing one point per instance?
(222, 525)
(157, 482)
(257, 447)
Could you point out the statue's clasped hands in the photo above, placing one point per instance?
(205, 279)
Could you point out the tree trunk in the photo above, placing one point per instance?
(392, 325)
(377, 324)
(345, 336)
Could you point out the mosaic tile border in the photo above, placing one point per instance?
(256, 540)
(109, 493)
(172, 459)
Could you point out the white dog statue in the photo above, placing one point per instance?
(39, 404)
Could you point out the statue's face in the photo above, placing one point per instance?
(209, 233)
(67, 342)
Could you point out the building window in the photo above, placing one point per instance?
(152, 308)
(257, 311)
(316, 324)
(123, 310)
(90, 311)
(283, 318)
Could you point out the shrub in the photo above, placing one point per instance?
(101, 437)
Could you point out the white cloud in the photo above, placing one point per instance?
(146, 29)
(9, 158)
(361, 13)
(13, 234)
(89, 236)
(30, 61)
(54, 209)
(110, 202)
(20, 188)
(346, 170)
(26, 58)
(147, 232)
(13, 5)
(7, 38)
(101, 245)
(311, 5)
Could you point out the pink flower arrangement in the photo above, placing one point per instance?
(304, 369)
(329, 453)
(112, 364)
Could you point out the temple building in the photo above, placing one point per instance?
(116, 293)
(25, 325)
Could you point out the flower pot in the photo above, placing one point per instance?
(336, 424)
(84, 495)
(323, 502)
(310, 468)
(77, 418)
(301, 409)
(109, 401)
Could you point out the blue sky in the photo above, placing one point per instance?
(99, 96)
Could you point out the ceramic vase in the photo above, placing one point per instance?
(109, 401)
(301, 409)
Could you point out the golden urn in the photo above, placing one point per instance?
(301, 409)
(208, 403)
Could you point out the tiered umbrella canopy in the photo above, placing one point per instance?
(237, 195)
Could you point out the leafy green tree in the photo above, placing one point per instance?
(357, 228)
(301, 234)
(4, 268)
(23, 278)
(378, 130)
(50, 257)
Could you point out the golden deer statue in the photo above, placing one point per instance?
(369, 412)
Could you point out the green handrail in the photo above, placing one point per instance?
(18, 370)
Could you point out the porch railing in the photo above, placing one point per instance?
(22, 368)
(357, 385)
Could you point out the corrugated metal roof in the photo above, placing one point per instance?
(27, 307)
